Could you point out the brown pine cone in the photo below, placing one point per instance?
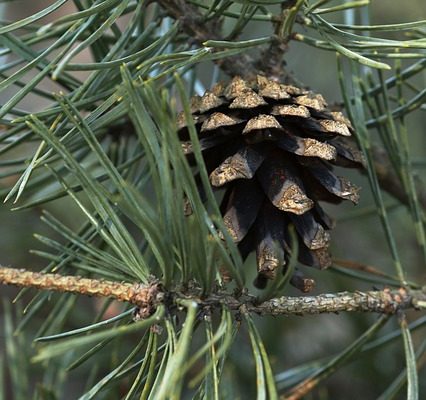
(272, 148)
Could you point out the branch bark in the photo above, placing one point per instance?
(148, 297)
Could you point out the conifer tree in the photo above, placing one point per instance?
(190, 162)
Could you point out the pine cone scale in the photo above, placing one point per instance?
(312, 233)
(282, 186)
(243, 206)
(241, 165)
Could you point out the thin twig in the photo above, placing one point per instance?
(389, 180)
(140, 295)
(148, 296)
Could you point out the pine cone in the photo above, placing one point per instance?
(272, 148)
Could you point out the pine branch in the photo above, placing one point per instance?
(199, 30)
(147, 297)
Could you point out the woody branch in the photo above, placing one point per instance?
(148, 297)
